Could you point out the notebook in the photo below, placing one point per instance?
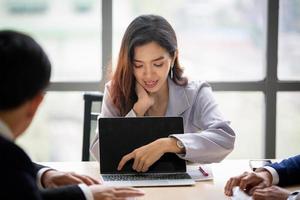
(120, 136)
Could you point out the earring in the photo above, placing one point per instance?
(171, 73)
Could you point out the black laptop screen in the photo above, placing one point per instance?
(120, 136)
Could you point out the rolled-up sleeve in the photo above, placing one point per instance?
(216, 138)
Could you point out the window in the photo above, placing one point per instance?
(68, 30)
(288, 126)
(70, 33)
(215, 38)
(288, 110)
(245, 110)
(56, 131)
(289, 40)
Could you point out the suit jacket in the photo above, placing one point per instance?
(288, 171)
(18, 177)
(207, 135)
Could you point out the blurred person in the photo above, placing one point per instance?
(261, 183)
(149, 81)
(24, 74)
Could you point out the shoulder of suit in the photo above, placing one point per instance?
(107, 87)
(193, 88)
(196, 85)
(107, 84)
(7, 145)
(13, 154)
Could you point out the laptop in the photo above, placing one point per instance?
(120, 136)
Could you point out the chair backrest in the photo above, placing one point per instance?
(89, 116)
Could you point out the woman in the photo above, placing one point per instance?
(148, 81)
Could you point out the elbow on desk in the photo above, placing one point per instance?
(225, 148)
(208, 155)
(217, 157)
(222, 156)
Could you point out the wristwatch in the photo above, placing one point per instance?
(294, 196)
(179, 144)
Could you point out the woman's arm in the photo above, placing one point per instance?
(216, 140)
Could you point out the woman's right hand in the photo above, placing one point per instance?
(144, 102)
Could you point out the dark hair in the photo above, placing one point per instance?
(24, 69)
(142, 30)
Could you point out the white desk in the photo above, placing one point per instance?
(211, 190)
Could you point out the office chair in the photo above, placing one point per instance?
(89, 116)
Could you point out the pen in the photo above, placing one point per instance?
(202, 171)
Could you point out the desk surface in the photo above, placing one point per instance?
(213, 189)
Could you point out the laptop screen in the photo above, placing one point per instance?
(120, 136)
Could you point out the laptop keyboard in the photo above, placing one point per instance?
(142, 177)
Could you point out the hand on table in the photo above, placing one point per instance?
(53, 179)
(102, 192)
(249, 181)
(271, 193)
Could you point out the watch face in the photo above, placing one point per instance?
(179, 144)
(292, 197)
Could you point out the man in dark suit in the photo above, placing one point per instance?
(261, 183)
(24, 74)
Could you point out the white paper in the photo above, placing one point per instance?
(239, 194)
(193, 171)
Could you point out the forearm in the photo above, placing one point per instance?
(40, 171)
(169, 145)
(206, 147)
(140, 109)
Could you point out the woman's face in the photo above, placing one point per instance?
(151, 66)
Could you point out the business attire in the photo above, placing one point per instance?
(18, 175)
(207, 135)
(286, 172)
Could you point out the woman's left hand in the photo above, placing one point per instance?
(145, 156)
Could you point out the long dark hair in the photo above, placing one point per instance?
(142, 30)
